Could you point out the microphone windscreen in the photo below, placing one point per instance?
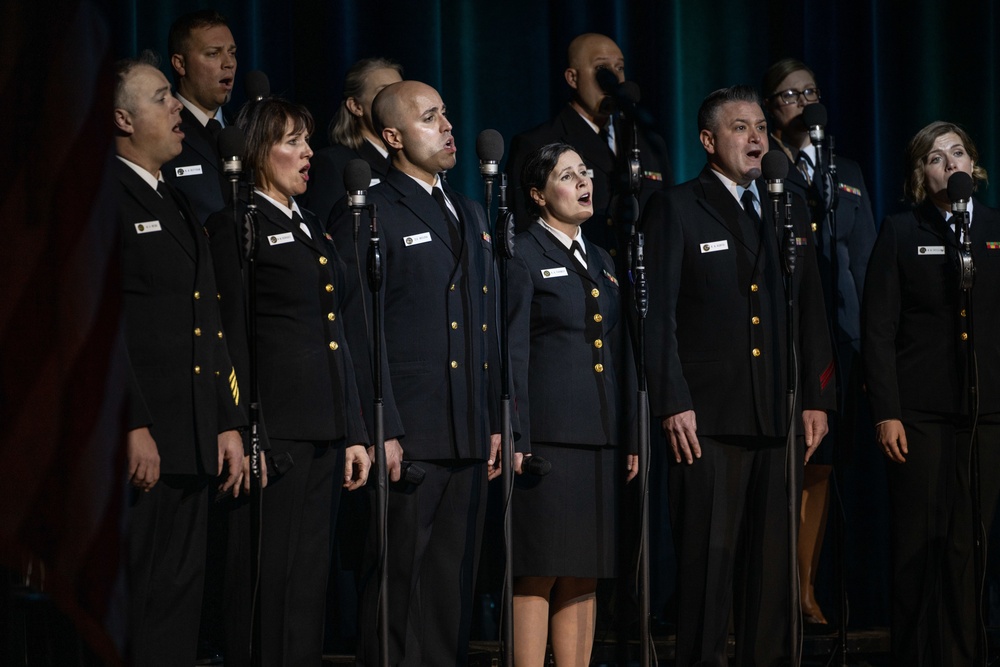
(489, 146)
(814, 114)
(607, 80)
(536, 465)
(231, 142)
(257, 85)
(774, 165)
(357, 175)
(959, 187)
(630, 91)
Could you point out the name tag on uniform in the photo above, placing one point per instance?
(417, 239)
(190, 170)
(555, 272)
(278, 239)
(146, 227)
(714, 246)
(930, 250)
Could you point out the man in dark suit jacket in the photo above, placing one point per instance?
(183, 412)
(587, 124)
(440, 345)
(717, 360)
(203, 55)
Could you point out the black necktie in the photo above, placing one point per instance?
(747, 200)
(298, 222)
(454, 228)
(576, 252)
(214, 127)
(804, 165)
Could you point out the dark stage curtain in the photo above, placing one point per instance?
(885, 68)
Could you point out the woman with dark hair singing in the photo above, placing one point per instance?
(310, 409)
(574, 385)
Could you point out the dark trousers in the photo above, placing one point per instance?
(295, 541)
(435, 530)
(730, 523)
(167, 532)
(933, 587)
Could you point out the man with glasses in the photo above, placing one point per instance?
(789, 86)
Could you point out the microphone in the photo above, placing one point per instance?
(607, 80)
(774, 167)
(536, 465)
(357, 177)
(231, 145)
(959, 193)
(489, 148)
(257, 85)
(814, 117)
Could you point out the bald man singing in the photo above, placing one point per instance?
(441, 354)
(592, 126)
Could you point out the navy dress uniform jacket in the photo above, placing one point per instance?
(855, 239)
(571, 357)
(716, 328)
(914, 352)
(197, 171)
(305, 371)
(181, 376)
(439, 314)
(569, 127)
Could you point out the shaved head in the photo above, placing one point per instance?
(581, 50)
(412, 120)
(587, 54)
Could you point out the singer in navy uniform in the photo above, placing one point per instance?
(574, 374)
(440, 388)
(203, 56)
(587, 124)
(182, 414)
(916, 346)
(308, 396)
(789, 86)
(716, 362)
(352, 135)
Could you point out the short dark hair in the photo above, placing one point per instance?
(181, 29)
(263, 124)
(777, 72)
(123, 68)
(914, 187)
(708, 112)
(536, 170)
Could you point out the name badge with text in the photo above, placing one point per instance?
(190, 170)
(147, 227)
(555, 272)
(278, 239)
(714, 246)
(417, 239)
(930, 250)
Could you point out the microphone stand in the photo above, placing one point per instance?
(641, 302)
(968, 274)
(640, 298)
(504, 251)
(251, 239)
(382, 483)
(792, 462)
(829, 177)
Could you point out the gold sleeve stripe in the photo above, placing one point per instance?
(234, 386)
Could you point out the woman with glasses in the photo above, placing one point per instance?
(837, 204)
(924, 337)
